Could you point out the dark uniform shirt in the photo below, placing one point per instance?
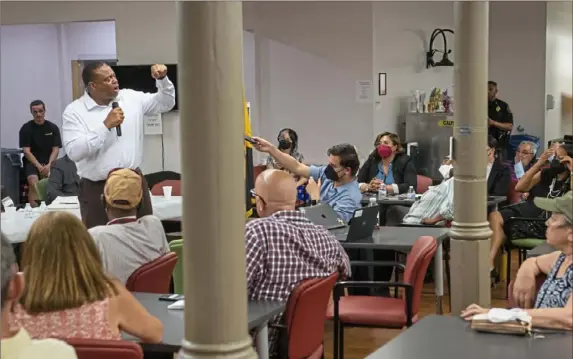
(41, 139)
(499, 111)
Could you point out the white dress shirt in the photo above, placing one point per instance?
(93, 147)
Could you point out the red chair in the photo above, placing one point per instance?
(257, 170)
(98, 349)
(423, 184)
(153, 277)
(304, 317)
(157, 189)
(511, 300)
(383, 312)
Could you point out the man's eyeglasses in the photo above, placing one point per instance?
(255, 195)
(524, 153)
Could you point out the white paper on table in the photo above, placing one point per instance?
(61, 202)
(67, 200)
(178, 305)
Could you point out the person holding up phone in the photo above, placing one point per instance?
(539, 181)
(338, 186)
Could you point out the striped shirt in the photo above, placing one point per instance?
(438, 200)
(125, 245)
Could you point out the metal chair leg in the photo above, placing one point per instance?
(336, 339)
(341, 342)
(508, 273)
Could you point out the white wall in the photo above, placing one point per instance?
(36, 64)
(516, 56)
(402, 33)
(309, 57)
(517, 60)
(558, 74)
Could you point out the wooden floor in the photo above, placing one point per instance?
(360, 342)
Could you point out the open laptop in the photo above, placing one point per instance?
(324, 215)
(361, 225)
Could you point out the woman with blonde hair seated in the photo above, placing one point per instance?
(68, 294)
(553, 305)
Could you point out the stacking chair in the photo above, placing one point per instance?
(303, 329)
(518, 237)
(42, 189)
(153, 277)
(383, 312)
(98, 349)
(176, 246)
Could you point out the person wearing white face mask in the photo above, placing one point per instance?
(447, 168)
(524, 158)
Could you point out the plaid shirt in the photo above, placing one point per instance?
(284, 249)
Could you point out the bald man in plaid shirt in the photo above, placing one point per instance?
(284, 247)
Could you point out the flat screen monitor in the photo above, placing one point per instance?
(138, 77)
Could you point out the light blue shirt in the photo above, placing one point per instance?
(343, 199)
(389, 179)
(519, 170)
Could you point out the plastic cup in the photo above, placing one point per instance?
(167, 191)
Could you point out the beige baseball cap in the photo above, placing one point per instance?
(123, 189)
(562, 205)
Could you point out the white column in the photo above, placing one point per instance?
(470, 232)
(210, 45)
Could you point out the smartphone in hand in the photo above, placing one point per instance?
(250, 140)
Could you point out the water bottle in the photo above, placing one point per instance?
(411, 193)
(373, 202)
(28, 211)
(382, 192)
(43, 207)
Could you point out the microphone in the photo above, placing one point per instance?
(114, 104)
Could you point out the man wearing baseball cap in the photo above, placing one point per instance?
(126, 242)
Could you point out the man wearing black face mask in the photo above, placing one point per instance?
(338, 186)
(538, 181)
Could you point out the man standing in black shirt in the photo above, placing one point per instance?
(40, 140)
(500, 120)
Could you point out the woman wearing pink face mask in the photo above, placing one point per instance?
(388, 165)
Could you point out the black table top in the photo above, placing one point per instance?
(540, 250)
(173, 321)
(396, 200)
(396, 238)
(441, 337)
(392, 200)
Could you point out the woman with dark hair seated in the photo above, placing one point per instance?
(552, 307)
(551, 182)
(288, 143)
(388, 165)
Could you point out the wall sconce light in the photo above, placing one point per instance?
(430, 54)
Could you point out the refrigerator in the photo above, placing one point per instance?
(432, 133)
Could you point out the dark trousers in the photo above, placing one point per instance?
(91, 202)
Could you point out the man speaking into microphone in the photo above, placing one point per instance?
(103, 130)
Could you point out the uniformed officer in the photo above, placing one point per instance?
(500, 120)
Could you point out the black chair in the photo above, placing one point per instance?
(523, 234)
